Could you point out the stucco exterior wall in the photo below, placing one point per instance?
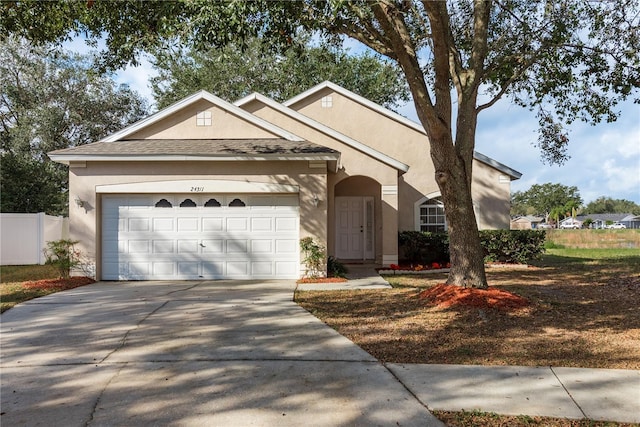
(411, 147)
(85, 222)
(182, 124)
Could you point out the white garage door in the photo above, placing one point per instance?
(204, 236)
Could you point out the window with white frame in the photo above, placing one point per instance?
(203, 118)
(326, 101)
(431, 216)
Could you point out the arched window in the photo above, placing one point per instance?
(188, 203)
(212, 203)
(237, 203)
(163, 203)
(431, 216)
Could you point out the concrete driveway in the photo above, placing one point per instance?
(186, 354)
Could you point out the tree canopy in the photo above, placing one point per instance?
(51, 100)
(236, 70)
(604, 204)
(548, 200)
(568, 60)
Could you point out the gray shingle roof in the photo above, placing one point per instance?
(196, 147)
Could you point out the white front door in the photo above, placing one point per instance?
(354, 228)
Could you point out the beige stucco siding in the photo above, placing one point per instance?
(85, 222)
(412, 148)
(182, 125)
(353, 164)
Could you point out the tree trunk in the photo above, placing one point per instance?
(467, 254)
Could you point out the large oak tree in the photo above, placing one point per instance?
(566, 59)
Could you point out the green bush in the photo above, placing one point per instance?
(508, 246)
(335, 268)
(422, 247)
(63, 255)
(512, 246)
(314, 257)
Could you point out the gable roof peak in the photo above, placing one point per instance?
(192, 99)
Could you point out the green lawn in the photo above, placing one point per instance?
(22, 273)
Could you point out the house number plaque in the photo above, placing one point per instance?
(197, 189)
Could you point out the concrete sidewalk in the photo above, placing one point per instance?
(595, 394)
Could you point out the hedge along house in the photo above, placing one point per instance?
(209, 189)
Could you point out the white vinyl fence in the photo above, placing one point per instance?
(24, 236)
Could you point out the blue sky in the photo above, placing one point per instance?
(605, 159)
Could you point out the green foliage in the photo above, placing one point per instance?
(51, 100)
(63, 255)
(608, 205)
(548, 200)
(335, 268)
(422, 247)
(512, 246)
(509, 246)
(235, 71)
(314, 257)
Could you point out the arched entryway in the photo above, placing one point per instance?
(356, 219)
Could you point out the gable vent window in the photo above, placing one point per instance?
(203, 118)
(237, 203)
(188, 203)
(326, 102)
(212, 203)
(163, 203)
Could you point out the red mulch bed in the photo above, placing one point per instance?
(59, 284)
(446, 296)
(322, 280)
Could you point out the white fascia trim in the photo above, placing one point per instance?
(513, 174)
(65, 159)
(202, 95)
(396, 117)
(203, 185)
(324, 129)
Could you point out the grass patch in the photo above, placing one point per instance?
(583, 313)
(20, 283)
(22, 273)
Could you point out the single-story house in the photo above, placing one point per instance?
(603, 220)
(209, 189)
(526, 222)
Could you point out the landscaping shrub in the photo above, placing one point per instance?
(62, 255)
(508, 246)
(314, 257)
(512, 246)
(335, 268)
(425, 248)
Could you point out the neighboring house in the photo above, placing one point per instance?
(602, 220)
(526, 222)
(209, 189)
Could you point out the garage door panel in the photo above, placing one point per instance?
(188, 224)
(213, 246)
(163, 246)
(184, 243)
(188, 246)
(163, 224)
(139, 246)
(212, 224)
(262, 246)
(235, 246)
(164, 269)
